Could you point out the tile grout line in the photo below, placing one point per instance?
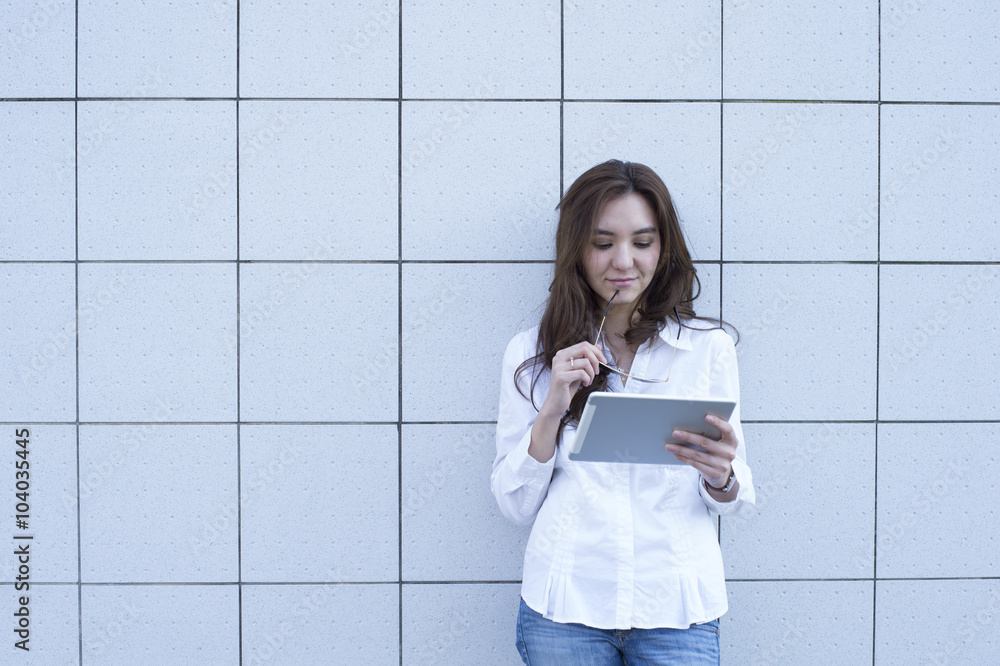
(878, 306)
(480, 581)
(76, 278)
(482, 422)
(722, 263)
(747, 262)
(399, 315)
(239, 484)
(872, 102)
(399, 422)
(562, 96)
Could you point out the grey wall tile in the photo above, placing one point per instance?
(37, 197)
(461, 181)
(672, 51)
(808, 339)
(933, 518)
(936, 621)
(940, 52)
(461, 624)
(290, 49)
(38, 354)
(499, 50)
(318, 180)
(150, 492)
(680, 142)
(798, 622)
(708, 301)
(801, 50)
(319, 342)
(154, 342)
(46, 474)
(939, 199)
(798, 532)
(452, 527)
(797, 178)
(472, 173)
(457, 321)
(153, 49)
(323, 506)
(320, 624)
(166, 624)
(53, 632)
(157, 180)
(936, 339)
(37, 53)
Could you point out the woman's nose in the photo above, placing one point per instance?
(622, 258)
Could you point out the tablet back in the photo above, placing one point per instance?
(633, 428)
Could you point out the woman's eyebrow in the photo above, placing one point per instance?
(645, 230)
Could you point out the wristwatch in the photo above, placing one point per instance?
(729, 483)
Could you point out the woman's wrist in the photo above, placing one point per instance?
(542, 445)
(728, 485)
(721, 483)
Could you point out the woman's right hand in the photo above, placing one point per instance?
(571, 367)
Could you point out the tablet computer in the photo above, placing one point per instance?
(633, 428)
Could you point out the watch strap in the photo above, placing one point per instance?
(729, 483)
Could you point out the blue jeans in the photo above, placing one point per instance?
(542, 642)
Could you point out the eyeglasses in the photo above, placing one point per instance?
(622, 372)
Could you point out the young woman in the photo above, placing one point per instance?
(623, 562)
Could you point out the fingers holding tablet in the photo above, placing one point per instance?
(715, 458)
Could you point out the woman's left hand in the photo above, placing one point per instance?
(717, 462)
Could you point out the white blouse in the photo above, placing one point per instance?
(620, 545)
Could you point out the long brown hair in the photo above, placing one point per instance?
(573, 308)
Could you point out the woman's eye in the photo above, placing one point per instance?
(643, 244)
(602, 246)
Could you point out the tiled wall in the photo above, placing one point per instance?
(259, 262)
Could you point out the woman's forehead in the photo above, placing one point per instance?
(630, 207)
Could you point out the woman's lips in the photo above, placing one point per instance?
(622, 283)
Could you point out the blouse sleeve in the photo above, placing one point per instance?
(519, 482)
(725, 385)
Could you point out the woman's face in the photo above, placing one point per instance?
(624, 250)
